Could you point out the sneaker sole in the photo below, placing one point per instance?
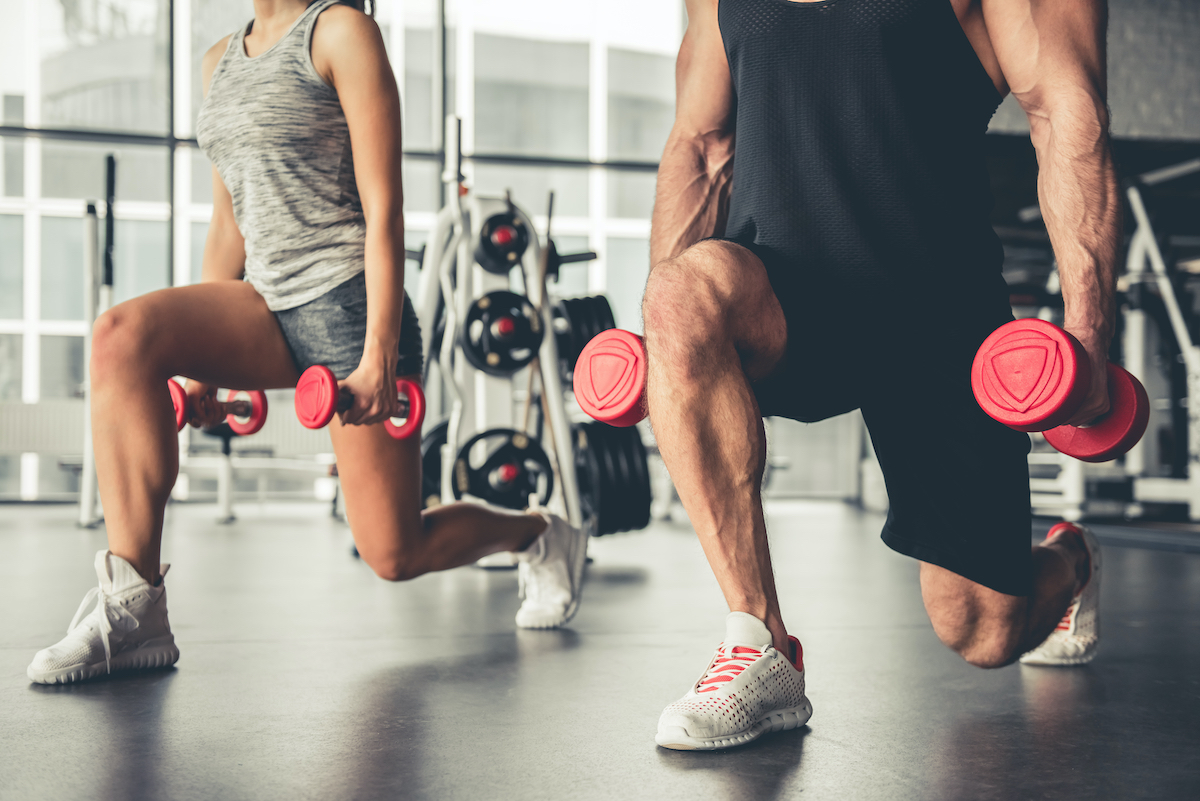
(676, 738)
(148, 657)
(1077, 660)
(578, 564)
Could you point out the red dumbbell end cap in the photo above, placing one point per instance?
(258, 413)
(1030, 375)
(610, 378)
(1117, 431)
(179, 401)
(416, 411)
(316, 396)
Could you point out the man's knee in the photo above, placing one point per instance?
(981, 637)
(990, 653)
(984, 627)
(688, 299)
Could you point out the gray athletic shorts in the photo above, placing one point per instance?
(331, 331)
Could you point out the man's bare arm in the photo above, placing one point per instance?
(695, 175)
(1053, 56)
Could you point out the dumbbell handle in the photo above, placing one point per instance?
(238, 408)
(346, 400)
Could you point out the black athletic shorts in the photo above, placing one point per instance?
(957, 481)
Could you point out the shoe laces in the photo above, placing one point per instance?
(726, 666)
(106, 603)
(1065, 623)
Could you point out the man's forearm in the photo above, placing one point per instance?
(692, 196)
(1077, 189)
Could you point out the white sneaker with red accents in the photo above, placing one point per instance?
(1075, 640)
(748, 689)
(127, 629)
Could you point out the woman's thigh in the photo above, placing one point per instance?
(220, 333)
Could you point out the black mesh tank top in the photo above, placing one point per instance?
(859, 161)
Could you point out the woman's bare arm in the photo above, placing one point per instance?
(224, 248)
(348, 52)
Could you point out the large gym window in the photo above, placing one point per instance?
(576, 98)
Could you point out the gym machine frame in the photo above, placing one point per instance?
(1145, 265)
(97, 299)
(448, 275)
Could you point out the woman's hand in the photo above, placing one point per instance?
(203, 410)
(373, 386)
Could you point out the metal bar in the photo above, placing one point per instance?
(1165, 287)
(122, 138)
(87, 476)
(552, 391)
(171, 142)
(106, 137)
(1169, 173)
(110, 199)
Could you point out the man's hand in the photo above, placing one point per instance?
(1096, 403)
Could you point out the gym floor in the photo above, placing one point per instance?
(303, 676)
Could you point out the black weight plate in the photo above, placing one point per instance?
(607, 320)
(610, 499)
(431, 464)
(563, 339)
(622, 478)
(488, 352)
(514, 448)
(640, 496)
(587, 478)
(495, 259)
(591, 320)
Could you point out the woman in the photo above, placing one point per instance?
(317, 233)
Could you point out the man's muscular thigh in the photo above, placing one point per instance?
(716, 292)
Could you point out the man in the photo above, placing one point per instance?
(844, 259)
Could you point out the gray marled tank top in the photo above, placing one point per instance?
(276, 133)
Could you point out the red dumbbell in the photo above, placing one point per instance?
(1032, 375)
(245, 411)
(610, 378)
(318, 398)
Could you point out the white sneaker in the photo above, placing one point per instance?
(1075, 640)
(127, 629)
(748, 689)
(550, 574)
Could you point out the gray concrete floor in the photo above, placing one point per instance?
(303, 676)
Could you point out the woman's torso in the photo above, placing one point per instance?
(277, 135)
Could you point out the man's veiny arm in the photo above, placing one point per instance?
(694, 177)
(1052, 53)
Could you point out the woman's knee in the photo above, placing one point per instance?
(120, 336)
(390, 568)
(392, 552)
